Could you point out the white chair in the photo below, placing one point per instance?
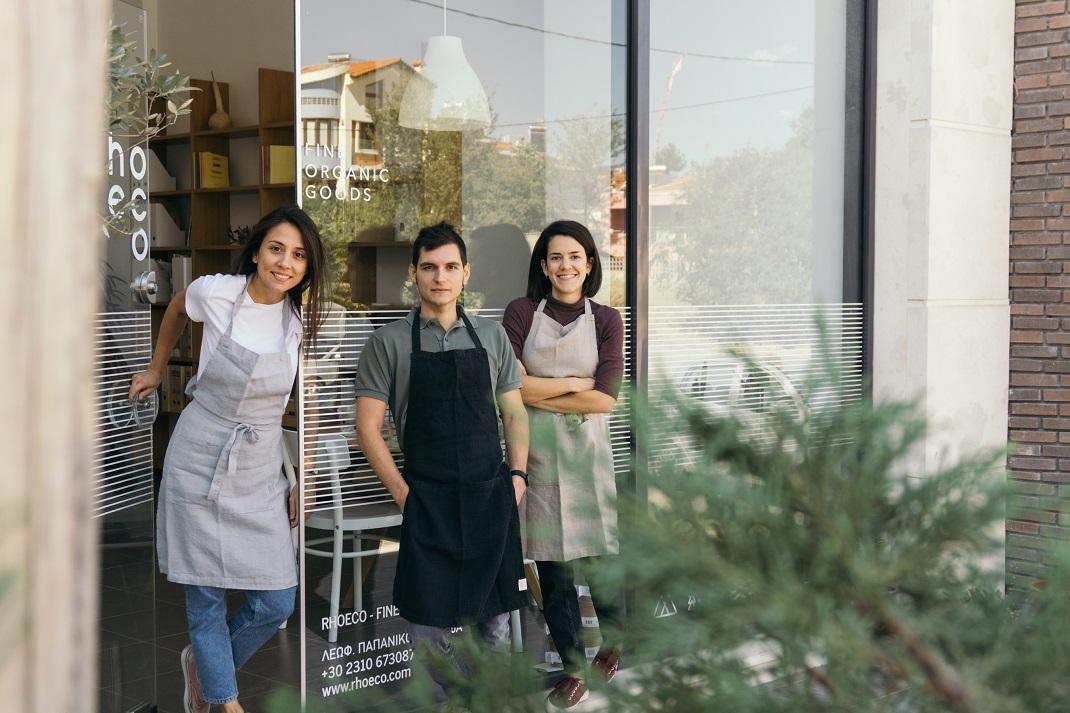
(342, 520)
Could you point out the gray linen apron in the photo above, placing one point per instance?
(569, 509)
(223, 519)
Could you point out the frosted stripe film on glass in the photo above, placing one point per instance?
(330, 404)
(122, 468)
(743, 359)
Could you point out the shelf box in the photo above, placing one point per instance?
(163, 230)
(159, 178)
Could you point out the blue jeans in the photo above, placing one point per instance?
(220, 645)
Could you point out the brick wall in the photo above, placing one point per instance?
(1040, 284)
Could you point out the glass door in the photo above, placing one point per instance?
(124, 499)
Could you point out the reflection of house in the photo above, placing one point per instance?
(666, 200)
(338, 104)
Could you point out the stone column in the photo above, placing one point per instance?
(941, 315)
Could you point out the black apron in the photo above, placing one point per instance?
(460, 558)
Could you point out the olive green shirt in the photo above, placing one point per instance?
(383, 371)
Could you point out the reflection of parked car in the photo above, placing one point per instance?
(731, 386)
(726, 385)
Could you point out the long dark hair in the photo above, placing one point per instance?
(538, 283)
(315, 279)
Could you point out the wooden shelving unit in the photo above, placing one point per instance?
(205, 212)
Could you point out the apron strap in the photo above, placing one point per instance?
(237, 305)
(469, 327)
(542, 306)
(287, 315)
(416, 329)
(460, 313)
(586, 307)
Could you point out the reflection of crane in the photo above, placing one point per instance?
(665, 101)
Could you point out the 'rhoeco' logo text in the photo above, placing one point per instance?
(120, 161)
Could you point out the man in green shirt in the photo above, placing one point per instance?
(448, 377)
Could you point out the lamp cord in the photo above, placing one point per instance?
(443, 18)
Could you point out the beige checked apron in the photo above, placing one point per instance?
(569, 510)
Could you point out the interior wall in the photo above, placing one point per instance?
(232, 38)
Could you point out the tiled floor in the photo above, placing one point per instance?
(143, 629)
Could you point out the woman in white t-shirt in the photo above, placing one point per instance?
(225, 507)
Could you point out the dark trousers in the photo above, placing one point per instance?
(561, 609)
(494, 632)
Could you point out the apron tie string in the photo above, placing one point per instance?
(230, 457)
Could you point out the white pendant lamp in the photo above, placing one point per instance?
(447, 94)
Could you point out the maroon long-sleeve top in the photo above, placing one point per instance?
(609, 328)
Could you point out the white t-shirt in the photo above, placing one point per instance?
(210, 299)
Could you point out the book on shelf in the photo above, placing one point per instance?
(173, 388)
(213, 170)
(185, 374)
(181, 272)
(184, 347)
(278, 164)
(173, 397)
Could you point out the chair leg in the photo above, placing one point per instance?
(531, 572)
(336, 583)
(358, 575)
(514, 629)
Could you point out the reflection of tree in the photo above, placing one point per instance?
(339, 222)
(741, 231)
(671, 158)
(499, 189)
(466, 178)
(585, 153)
(504, 186)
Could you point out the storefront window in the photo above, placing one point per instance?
(554, 76)
(746, 195)
(746, 237)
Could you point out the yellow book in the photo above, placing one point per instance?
(282, 164)
(214, 170)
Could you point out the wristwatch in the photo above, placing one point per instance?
(517, 473)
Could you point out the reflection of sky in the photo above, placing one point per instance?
(511, 61)
(780, 30)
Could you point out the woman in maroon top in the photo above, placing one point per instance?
(570, 349)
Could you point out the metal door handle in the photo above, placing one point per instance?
(139, 414)
(144, 287)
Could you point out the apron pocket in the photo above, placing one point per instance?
(542, 517)
(487, 511)
(257, 543)
(432, 512)
(192, 535)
